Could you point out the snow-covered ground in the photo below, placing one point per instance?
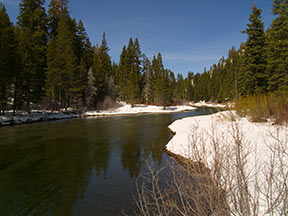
(258, 134)
(205, 104)
(258, 140)
(35, 116)
(125, 109)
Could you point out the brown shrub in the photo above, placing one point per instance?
(108, 103)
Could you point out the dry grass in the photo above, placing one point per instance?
(108, 103)
(190, 190)
(265, 106)
(230, 186)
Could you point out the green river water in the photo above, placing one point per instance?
(82, 166)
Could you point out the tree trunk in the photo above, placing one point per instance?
(15, 95)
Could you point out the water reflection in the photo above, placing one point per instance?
(78, 167)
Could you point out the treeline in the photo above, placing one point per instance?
(47, 61)
(259, 66)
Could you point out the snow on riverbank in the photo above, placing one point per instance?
(257, 134)
(195, 139)
(35, 117)
(125, 109)
(205, 104)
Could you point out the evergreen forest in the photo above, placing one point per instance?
(47, 61)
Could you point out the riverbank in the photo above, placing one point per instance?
(229, 145)
(123, 109)
(35, 116)
(216, 105)
(126, 109)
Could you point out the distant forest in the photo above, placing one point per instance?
(47, 61)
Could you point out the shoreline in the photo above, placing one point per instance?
(125, 110)
(112, 114)
(36, 117)
(195, 138)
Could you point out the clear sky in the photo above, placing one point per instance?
(190, 34)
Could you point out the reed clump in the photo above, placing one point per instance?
(261, 107)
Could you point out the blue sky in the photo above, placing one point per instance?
(190, 34)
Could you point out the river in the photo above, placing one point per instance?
(82, 166)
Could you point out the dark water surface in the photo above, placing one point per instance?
(82, 166)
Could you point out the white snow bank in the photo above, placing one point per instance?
(258, 135)
(125, 109)
(34, 117)
(258, 139)
(205, 104)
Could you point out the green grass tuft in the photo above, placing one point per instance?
(266, 106)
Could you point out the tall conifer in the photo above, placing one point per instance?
(91, 90)
(7, 57)
(147, 90)
(62, 62)
(158, 69)
(255, 75)
(99, 74)
(278, 47)
(122, 75)
(32, 41)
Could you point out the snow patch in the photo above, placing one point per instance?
(258, 139)
(126, 109)
(205, 104)
(35, 117)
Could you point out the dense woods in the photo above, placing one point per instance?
(258, 66)
(47, 61)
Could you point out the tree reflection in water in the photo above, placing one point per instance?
(78, 167)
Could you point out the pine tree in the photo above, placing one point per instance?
(189, 86)
(128, 77)
(62, 63)
(229, 76)
(91, 91)
(138, 67)
(133, 65)
(122, 75)
(163, 90)
(133, 89)
(131, 69)
(166, 91)
(241, 71)
(32, 41)
(215, 82)
(99, 74)
(172, 85)
(158, 69)
(83, 47)
(78, 84)
(179, 90)
(278, 47)
(84, 55)
(7, 57)
(205, 80)
(196, 81)
(102, 68)
(54, 12)
(233, 66)
(105, 58)
(53, 82)
(255, 76)
(147, 70)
